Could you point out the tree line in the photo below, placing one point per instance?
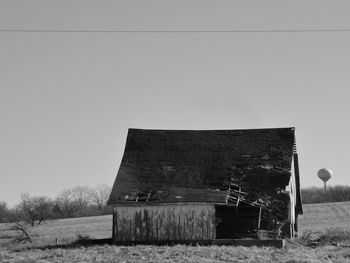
(82, 201)
(313, 195)
(77, 201)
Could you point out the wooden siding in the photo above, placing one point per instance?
(164, 222)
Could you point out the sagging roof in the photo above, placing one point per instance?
(198, 165)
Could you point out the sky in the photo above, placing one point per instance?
(67, 99)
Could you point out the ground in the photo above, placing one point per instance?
(178, 253)
(326, 226)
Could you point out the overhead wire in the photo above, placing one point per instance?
(320, 30)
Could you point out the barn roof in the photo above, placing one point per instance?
(198, 165)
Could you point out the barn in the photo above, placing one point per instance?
(206, 185)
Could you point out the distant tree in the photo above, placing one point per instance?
(35, 209)
(99, 195)
(65, 204)
(81, 196)
(43, 208)
(71, 202)
(314, 195)
(4, 212)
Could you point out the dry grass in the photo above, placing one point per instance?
(320, 217)
(64, 230)
(178, 253)
(326, 224)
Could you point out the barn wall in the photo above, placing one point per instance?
(164, 222)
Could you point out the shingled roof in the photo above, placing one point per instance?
(197, 165)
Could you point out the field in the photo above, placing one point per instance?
(65, 231)
(320, 217)
(325, 225)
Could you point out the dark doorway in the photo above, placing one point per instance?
(236, 222)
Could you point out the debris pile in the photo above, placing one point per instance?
(147, 196)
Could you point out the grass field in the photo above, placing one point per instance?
(328, 223)
(64, 230)
(320, 217)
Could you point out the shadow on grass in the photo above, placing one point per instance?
(82, 243)
(74, 244)
(87, 242)
(335, 237)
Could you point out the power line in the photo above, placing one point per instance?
(173, 31)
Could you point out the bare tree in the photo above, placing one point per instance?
(4, 212)
(99, 195)
(65, 203)
(81, 196)
(35, 209)
(22, 233)
(43, 208)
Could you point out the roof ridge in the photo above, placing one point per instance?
(249, 129)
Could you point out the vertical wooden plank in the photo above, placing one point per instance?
(157, 227)
(179, 225)
(115, 218)
(114, 225)
(164, 222)
(191, 225)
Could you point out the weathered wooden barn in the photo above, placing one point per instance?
(206, 185)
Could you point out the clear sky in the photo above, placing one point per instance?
(67, 99)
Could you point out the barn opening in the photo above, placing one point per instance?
(236, 221)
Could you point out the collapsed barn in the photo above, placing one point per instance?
(206, 185)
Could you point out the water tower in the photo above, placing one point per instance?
(325, 174)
